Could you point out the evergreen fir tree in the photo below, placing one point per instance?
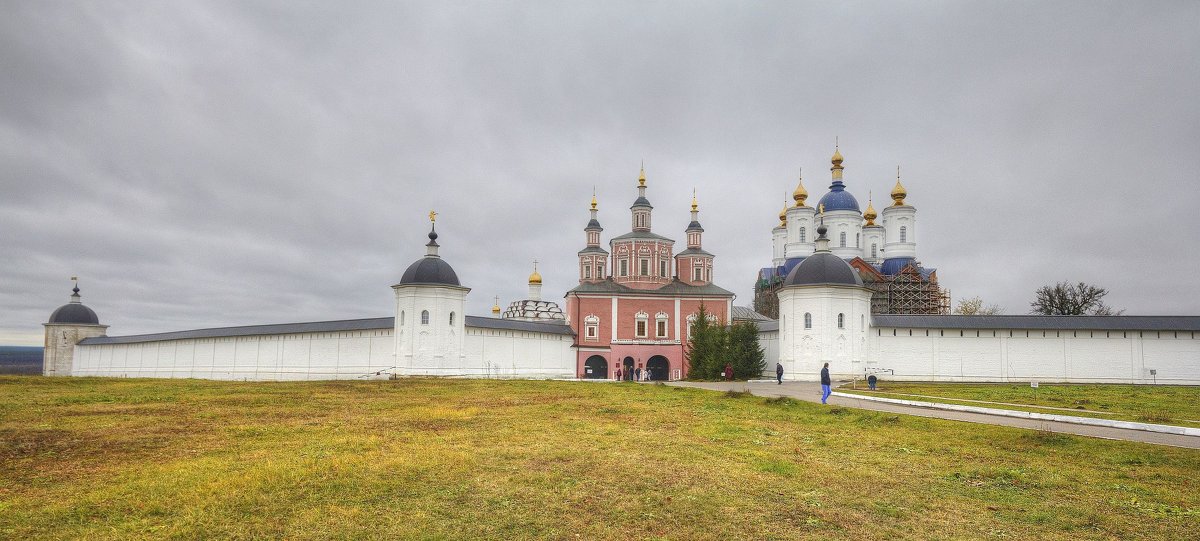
(705, 350)
(744, 353)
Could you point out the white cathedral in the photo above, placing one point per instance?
(824, 317)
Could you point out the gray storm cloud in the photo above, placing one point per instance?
(222, 163)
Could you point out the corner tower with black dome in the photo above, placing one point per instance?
(69, 324)
(430, 305)
(824, 314)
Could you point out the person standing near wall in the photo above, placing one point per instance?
(779, 372)
(825, 383)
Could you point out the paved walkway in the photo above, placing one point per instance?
(811, 392)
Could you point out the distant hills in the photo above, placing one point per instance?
(20, 360)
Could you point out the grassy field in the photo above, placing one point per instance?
(1162, 404)
(462, 459)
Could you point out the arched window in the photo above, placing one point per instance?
(843, 239)
(451, 318)
(803, 235)
(857, 239)
(841, 321)
(424, 317)
(874, 250)
(402, 318)
(903, 234)
(862, 322)
(807, 320)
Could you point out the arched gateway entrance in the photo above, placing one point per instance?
(627, 369)
(659, 367)
(596, 367)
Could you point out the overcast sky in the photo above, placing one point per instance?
(202, 164)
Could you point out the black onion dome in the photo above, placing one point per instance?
(430, 270)
(823, 268)
(74, 313)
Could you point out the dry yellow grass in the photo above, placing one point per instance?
(470, 459)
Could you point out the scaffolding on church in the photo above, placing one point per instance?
(907, 292)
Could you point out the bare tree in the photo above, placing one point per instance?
(973, 306)
(1066, 299)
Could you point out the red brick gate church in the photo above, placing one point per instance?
(635, 312)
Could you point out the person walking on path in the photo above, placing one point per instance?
(825, 383)
(779, 372)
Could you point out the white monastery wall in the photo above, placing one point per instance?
(1035, 355)
(299, 356)
(356, 354)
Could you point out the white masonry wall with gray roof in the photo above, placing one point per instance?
(1102, 349)
(1018, 348)
(352, 349)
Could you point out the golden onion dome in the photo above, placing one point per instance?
(642, 177)
(535, 278)
(800, 194)
(898, 193)
(837, 156)
(869, 215)
(593, 200)
(783, 215)
(496, 307)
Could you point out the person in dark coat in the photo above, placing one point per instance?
(618, 374)
(728, 372)
(779, 372)
(825, 383)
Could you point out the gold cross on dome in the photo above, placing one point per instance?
(432, 216)
(822, 208)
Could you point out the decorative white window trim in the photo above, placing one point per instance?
(660, 325)
(591, 325)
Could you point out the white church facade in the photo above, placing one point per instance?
(825, 316)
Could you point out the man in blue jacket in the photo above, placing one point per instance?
(825, 383)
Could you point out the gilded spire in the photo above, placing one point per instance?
(783, 213)
(836, 160)
(496, 307)
(869, 215)
(898, 193)
(642, 176)
(800, 194)
(535, 278)
(593, 198)
(695, 205)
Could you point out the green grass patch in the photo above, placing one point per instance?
(99, 458)
(1160, 404)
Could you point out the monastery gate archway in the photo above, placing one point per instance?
(596, 367)
(659, 367)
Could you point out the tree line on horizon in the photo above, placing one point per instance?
(1061, 299)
